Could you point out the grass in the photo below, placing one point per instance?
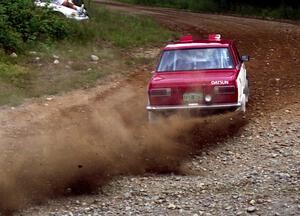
(109, 35)
(122, 30)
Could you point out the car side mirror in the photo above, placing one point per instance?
(245, 58)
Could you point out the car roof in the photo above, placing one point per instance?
(187, 42)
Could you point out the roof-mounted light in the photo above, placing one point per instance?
(186, 39)
(214, 37)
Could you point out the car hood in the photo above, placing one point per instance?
(165, 79)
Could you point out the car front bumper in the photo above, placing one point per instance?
(194, 107)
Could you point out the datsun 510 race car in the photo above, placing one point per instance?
(66, 11)
(198, 75)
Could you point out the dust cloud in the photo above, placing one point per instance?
(78, 149)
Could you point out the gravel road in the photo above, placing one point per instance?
(256, 172)
(248, 168)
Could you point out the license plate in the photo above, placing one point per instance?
(192, 97)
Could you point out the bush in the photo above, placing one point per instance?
(21, 22)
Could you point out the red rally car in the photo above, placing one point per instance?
(199, 75)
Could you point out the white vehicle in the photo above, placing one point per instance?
(68, 12)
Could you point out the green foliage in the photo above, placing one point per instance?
(11, 72)
(21, 22)
(42, 31)
(15, 75)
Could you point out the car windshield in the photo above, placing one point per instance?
(195, 59)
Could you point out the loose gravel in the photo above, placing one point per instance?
(256, 172)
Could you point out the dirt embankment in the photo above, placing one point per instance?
(82, 139)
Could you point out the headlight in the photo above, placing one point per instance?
(208, 98)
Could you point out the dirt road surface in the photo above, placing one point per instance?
(221, 165)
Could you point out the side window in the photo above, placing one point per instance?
(237, 54)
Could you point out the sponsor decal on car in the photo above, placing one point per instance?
(219, 82)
